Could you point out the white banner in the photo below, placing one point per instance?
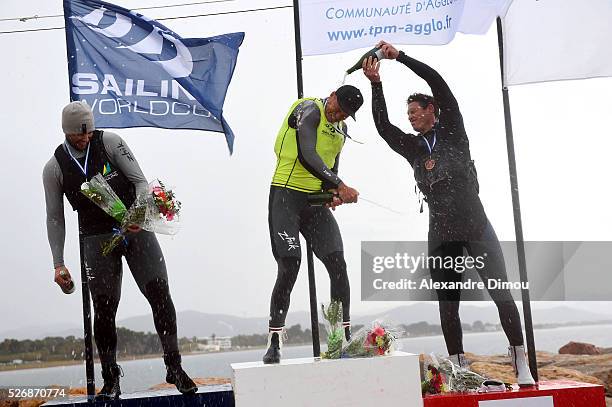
(550, 40)
(331, 26)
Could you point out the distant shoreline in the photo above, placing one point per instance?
(60, 363)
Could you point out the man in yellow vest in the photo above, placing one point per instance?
(307, 149)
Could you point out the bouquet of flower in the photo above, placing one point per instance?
(378, 340)
(435, 382)
(155, 210)
(442, 375)
(100, 193)
(335, 332)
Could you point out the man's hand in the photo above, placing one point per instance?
(347, 194)
(371, 68)
(336, 201)
(388, 50)
(62, 277)
(134, 228)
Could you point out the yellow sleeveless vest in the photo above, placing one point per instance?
(290, 173)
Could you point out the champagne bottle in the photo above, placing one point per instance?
(70, 289)
(374, 52)
(320, 198)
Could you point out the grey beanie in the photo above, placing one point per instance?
(77, 118)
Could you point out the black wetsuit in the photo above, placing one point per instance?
(109, 155)
(289, 214)
(457, 219)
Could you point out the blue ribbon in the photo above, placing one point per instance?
(117, 232)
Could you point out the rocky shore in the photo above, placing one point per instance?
(576, 361)
(579, 362)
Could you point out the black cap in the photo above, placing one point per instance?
(350, 99)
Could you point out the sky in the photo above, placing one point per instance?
(221, 261)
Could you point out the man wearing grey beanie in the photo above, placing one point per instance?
(84, 153)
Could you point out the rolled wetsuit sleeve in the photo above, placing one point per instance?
(439, 88)
(308, 118)
(404, 144)
(122, 157)
(54, 201)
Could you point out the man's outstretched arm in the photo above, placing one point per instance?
(402, 143)
(439, 88)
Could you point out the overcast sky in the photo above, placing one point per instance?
(221, 261)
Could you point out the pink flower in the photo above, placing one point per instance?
(379, 330)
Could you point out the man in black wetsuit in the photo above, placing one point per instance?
(84, 153)
(444, 171)
(307, 149)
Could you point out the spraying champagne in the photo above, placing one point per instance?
(374, 52)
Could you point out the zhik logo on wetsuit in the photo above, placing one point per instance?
(293, 242)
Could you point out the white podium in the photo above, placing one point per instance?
(311, 382)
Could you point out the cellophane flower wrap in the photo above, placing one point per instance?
(442, 376)
(377, 340)
(100, 193)
(335, 332)
(156, 209)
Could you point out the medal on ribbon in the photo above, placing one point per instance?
(430, 164)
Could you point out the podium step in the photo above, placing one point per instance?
(386, 380)
(209, 396)
(558, 393)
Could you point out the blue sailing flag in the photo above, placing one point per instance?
(135, 72)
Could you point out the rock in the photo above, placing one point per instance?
(579, 348)
(200, 381)
(557, 373)
(81, 391)
(40, 401)
(32, 403)
(605, 376)
(22, 403)
(506, 373)
(494, 371)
